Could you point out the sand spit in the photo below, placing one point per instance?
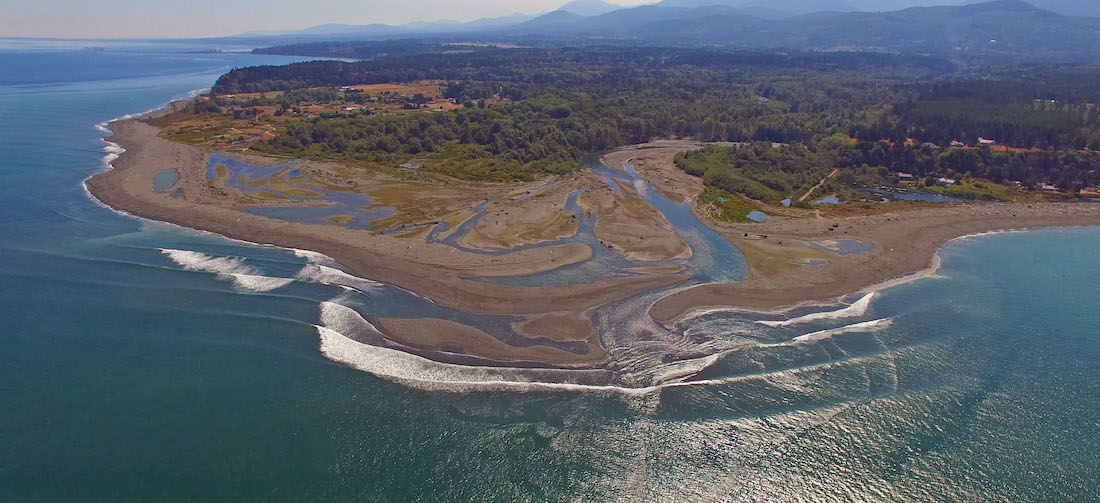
(432, 270)
(905, 242)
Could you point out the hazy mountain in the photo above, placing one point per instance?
(589, 7)
(1010, 29)
(992, 31)
(1071, 7)
(546, 23)
(419, 27)
(648, 22)
(1002, 27)
(786, 6)
(1065, 7)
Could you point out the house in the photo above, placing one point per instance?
(986, 141)
(945, 182)
(1048, 187)
(907, 177)
(957, 143)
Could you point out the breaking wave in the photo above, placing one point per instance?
(233, 269)
(857, 308)
(314, 257)
(325, 275)
(867, 326)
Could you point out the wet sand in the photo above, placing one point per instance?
(905, 242)
(655, 163)
(632, 226)
(536, 219)
(442, 335)
(432, 270)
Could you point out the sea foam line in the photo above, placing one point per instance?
(422, 373)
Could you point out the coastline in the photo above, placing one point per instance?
(907, 249)
(906, 242)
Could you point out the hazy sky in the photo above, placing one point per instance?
(200, 18)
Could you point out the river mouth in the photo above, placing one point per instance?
(628, 352)
(621, 327)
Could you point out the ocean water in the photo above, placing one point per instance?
(140, 361)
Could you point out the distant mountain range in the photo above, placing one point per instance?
(589, 7)
(999, 29)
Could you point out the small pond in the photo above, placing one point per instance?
(164, 180)
(758, 216)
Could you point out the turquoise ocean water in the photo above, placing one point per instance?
(144, 362)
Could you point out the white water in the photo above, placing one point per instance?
(857, 308)
(244, 277)
(867, 326)
(325, 275)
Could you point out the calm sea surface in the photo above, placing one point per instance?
(144, 362)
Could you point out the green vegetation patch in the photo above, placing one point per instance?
(976, 189)
(727, 207)
(758, 171)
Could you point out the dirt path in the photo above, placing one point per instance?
(822, 182)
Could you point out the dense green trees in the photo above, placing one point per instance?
(1044, 108)
(769, 173)
(564, 103)
(761, 171)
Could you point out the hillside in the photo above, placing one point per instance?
(1001, 31)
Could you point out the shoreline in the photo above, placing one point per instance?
(433, 271)
(907, 239)
(122, 188)
(854, 274)
(135, 152)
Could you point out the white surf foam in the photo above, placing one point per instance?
(337, 322)
(422, 373)
(857, 308)
(233, 269)
(314, 257)
(867, 326)
(316, 273)
(114, 151)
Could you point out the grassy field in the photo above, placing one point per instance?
(986, 190)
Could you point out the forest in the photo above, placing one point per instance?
(770, 173)
(555, 106)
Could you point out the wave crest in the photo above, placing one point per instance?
(867, 326)
(233, 269)
(857, 308)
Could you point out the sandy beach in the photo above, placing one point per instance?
(433, 270)
(905, 241)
